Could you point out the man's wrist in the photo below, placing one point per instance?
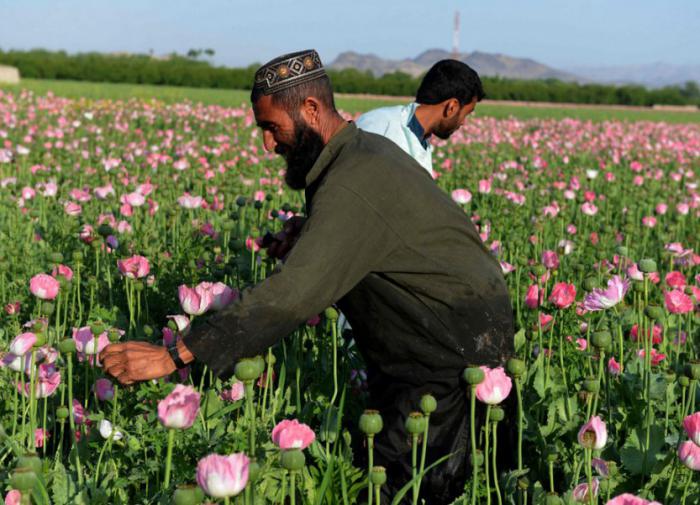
(185, 354)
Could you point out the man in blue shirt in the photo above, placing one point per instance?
(448, 93)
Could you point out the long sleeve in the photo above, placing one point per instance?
(343, 240)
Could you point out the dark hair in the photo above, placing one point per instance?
(450, 79)
(291, 99)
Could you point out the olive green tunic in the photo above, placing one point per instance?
(407, 268)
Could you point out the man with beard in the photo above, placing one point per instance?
(390, 249)
(447, 94)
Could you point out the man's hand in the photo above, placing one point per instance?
(279, 245)
(130, 362)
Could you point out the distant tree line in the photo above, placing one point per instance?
(189, 70)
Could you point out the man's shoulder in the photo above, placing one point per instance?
(382, 115)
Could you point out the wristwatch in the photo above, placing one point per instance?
(175, 355)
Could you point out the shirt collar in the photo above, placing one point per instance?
(417, 128)
(330, 151)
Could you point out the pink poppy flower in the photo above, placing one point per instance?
(13, 497)
(234, 393)
(581, 491)
(689, 454)
(533, 297)
(223, 476)
(179, 409)
(677, 302)
(44, 287)
(194, 301)
(550, 259)
(600, 299)
(656, 356)
(691, 424)
(134, 267)
(291, 434)
(563, 295)
(104, 389)
(630, 499)
(495, 387)
(461, 196)
(593, 434)
(675, 279)
(63, 271)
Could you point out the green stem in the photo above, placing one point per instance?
(487, 470)
(472, 420)
(370, 456)
(168, 458)
(495, 469)
(414, 466)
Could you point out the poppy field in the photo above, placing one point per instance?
(133, 219)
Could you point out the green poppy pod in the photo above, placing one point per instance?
(684, 381)
(331, 314)
(552, 499)
(56, 257)
(97, 328)
(428, 404)
(32, 461)
(497, 414)
(591, 385)
(254, 471)
(473, 375)
(692, 370)
(638, 287)
(258, 205)
(40, 340)
(415, 423)
(105, 230)
(515, 367)
(188, 494)
(247, 370)
(378, 475)
(241, 201)
(655, 312)
(647, 265)
(371, 422)
(23, 479)
(479, 461)
(601, 339)
(552, 453)
(62, 413)
(66, 346)
(113, 335)
(228, 225)
(292, 459)
(590, 283)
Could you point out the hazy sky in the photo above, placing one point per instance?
(562, 33)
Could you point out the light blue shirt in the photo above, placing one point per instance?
(393, 123)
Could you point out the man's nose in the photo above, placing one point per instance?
(269, 141)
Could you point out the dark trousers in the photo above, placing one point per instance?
(448, 434)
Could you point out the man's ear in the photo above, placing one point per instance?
(450, 107)
(311, 110)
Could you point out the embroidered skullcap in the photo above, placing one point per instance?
(288, 70)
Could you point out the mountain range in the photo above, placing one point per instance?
(491, 64)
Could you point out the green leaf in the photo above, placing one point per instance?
(633, 456)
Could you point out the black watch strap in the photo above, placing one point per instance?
(175, 355)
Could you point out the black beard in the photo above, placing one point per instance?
(301, 156)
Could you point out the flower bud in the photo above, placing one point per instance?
(428, 404)
(292, 459)
(684, 381)
(147, 330)
(622, 250)
(113, 335)
(601, 339)
(515, 367)
(590, 283)
(378, 475)
(474, 375)
(415, 423)
(241, 201)
(188, 494)
(62, 413)
(258, 205)
(523, 483)
(371, 422)
(647, 265)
